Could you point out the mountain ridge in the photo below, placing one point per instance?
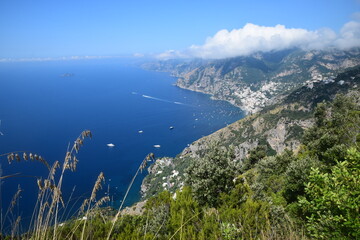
(261, 79)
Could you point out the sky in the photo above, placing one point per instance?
(182, 28)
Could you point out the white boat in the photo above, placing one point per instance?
(157, 146)
(171, 127)
(110, 145)
(141, 131)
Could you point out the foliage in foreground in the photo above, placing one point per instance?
(181, 217)
(332, 200)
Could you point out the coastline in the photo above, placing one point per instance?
(212, 97)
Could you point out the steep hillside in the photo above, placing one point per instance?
(273, 129)
(255, 81)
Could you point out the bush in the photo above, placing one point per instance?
(296, 176)
(332, 200)
(211, 175)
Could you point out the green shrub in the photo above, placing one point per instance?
(332, 200)
(296, 176)
(211, 175)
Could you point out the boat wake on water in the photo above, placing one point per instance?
(160, 99)
(1, 134)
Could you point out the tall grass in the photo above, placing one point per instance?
(148, 158)
(44, 223)
(49, 201)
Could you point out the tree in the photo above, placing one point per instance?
(211, 175)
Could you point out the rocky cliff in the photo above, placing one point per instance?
(278, 127)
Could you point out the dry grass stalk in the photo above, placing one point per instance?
(148, 158)
(49, 198)
(82, 209)
(40, 184)
(55, 166)
(83, 205)
(12, 204)
(70, 162)
(182, 225)
(96, 188)
(101, 201)
(15, 156)
(15, 227)
(47, 206)
(9, 176)
(15, 198)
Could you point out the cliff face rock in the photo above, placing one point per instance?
(256, 81)
(280, 129)
(277, 137)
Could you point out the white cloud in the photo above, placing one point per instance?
(349, 35)
(138, 55)
(253, 38)
(173, 54)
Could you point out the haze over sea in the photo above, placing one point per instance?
(41, 111)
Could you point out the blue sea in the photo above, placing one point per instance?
(42, 111)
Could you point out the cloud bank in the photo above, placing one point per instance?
(254, 38)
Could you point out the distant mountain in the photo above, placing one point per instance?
(261, 79)
(276, 127)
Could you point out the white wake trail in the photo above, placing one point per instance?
(161, 100)
(157, 99)
(0, 131)
(164, 100)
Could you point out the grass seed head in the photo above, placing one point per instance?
(97, 186)
(148, 158)
(47, 183)
(87, 133)
(102, 201)
(76, 147)
(15, 198)
(10, 157)
(83, 205)
(40, 184)
(53, 169)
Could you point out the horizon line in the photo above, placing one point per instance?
(65, 58)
